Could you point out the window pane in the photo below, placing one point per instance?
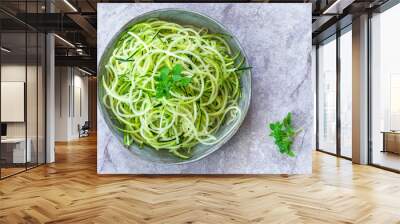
(346, 93)
(327, 96)
(31, 97)
(41, 99)
(386, 88)
(14, 153)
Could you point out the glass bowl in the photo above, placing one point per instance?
(225, 132)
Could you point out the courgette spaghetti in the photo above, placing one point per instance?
(189, 114)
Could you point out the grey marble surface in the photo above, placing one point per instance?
(277, 39)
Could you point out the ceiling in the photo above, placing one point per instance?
(75, 21)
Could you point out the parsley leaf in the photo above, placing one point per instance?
(169, 79)
(177, 69)
(179, 80)
(284, 134)
(163, 84)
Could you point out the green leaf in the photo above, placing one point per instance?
(176, 78)
(177, 69)
(284, 133)
(163, 85)
(183, 82)
(166, 81)
(287, 121)
(291, 153)
(164, 71)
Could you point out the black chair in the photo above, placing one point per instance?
(84, 130)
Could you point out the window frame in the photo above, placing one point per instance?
(334, 37)
(381, 9)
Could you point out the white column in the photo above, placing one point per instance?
(50, 93)
(360, 90)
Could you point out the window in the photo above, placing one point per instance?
(334, 106)
(327, 96)
(385, 89)
(22, 101)
(346, 93)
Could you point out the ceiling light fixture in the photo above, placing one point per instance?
(5, 50)
(64, 40)
(326, 11)
(84, 71)
(70, 5)
(337, 7)
(80, 51)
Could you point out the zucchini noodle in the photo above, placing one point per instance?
(192, 114)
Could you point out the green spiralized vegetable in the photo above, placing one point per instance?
(189, 115)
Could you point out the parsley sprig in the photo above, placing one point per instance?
(284, 133)
(169, 79)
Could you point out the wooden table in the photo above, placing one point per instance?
(391, 141)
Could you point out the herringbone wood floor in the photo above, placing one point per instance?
(70, 191)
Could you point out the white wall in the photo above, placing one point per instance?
(33, 127)
(9, 73)
(62, 82)
(70, 83)
(80, 109)
(16, 72)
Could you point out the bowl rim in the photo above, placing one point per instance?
(224, 139)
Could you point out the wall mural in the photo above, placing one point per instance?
(204, 89)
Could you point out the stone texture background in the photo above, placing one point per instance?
(277, 40)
